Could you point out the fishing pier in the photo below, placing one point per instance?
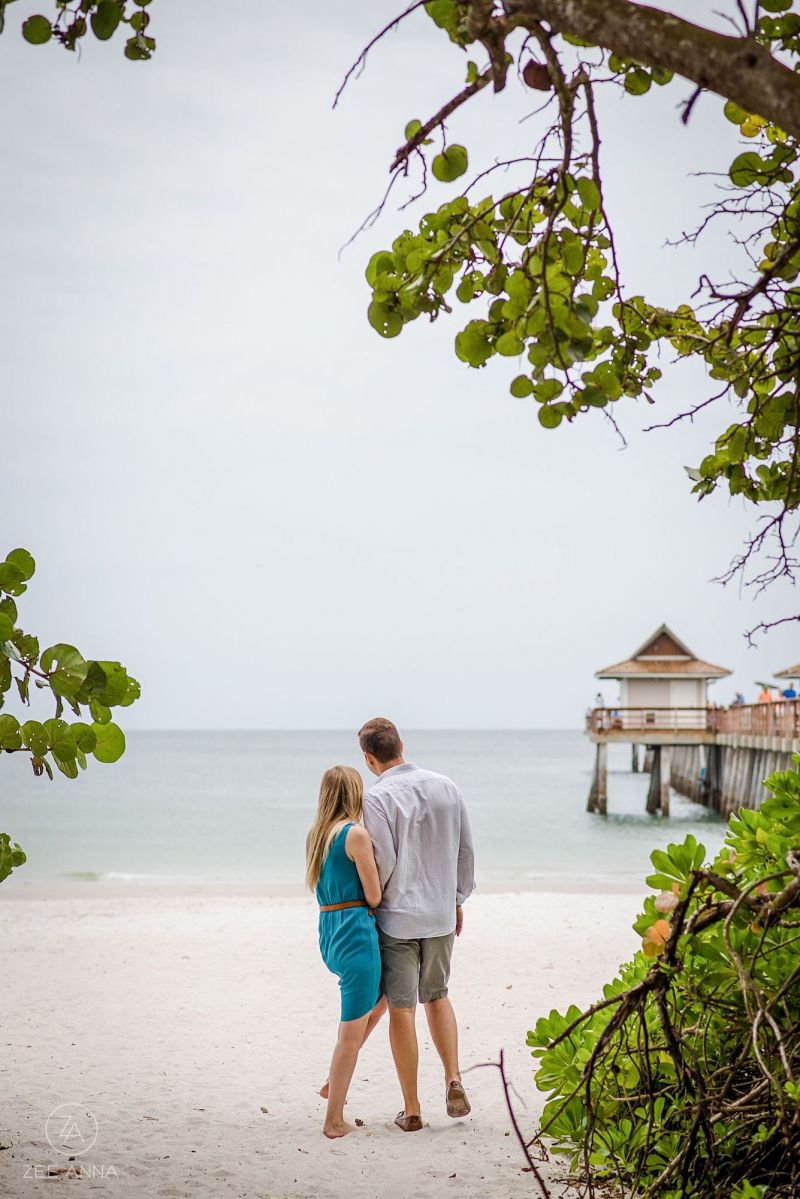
(717, 756)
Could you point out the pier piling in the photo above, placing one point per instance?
(654, 789)
(666, 779)
(598, 792)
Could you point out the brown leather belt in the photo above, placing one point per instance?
(339, 907)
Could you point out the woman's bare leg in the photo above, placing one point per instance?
(343, 1063)
(375, 1016)
(373, 1019)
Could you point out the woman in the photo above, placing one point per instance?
(340, 866)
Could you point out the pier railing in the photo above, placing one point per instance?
(780, 718)
(657, 720)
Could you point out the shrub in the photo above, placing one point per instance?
(683, 1081)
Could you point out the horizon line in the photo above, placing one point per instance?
(472, 728)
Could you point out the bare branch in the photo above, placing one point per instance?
(362, 58)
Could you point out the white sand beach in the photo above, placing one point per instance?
(197, 1027)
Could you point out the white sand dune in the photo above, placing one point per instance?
(176, 1018)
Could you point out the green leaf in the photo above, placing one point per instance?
(11, 579)
(64, 748)
(11, 856)
(9, 608)
(593, 396)
(105, 19)
(23, 562)
(442, 280)
(381, 262)
(37, 30)
(67, 766)
(734, 113)
(100, 713)
(521, 387)
(10, 733)
(84, 736)
(637, 82)
(411, 128)
(93, 685)
(385, 320)
(588, 192)
(132, 693)
(6, 627)
(133, 50)
(746, 169)
(573, 257)
(116, 683)
(450, 164)
(549, 417)
(110, 742)
(28, 647)
(35, 738)
(53, 730)
(548, 389)
(71, 668)
(509, 344)
(139, 48)
(445, 14)
(473, 345)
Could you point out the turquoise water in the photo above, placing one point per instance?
(202, 807)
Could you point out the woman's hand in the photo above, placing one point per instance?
(459, 919)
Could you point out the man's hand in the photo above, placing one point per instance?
(459, 919)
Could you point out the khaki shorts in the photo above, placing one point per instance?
(415, 968)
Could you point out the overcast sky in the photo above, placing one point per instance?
(231, 483)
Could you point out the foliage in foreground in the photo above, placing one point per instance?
(684, 1080)
(73, 681)
(71, 20)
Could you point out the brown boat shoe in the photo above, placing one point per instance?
(408, 1123)
(456, 1099)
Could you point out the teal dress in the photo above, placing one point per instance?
(348, 939)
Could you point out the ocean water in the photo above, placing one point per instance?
(235, 807)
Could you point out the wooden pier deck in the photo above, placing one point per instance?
(716, 756)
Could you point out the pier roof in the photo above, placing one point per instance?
(663, 655)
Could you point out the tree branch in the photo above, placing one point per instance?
(438, 118)
(737, 68)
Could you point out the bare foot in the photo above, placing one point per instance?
(324, 1089)
(339, 1129)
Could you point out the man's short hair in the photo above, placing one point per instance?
(380, 738)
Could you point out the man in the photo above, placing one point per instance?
(423, 848)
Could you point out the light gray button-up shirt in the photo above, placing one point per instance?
(423, 848)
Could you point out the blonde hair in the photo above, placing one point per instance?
(341, 796)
